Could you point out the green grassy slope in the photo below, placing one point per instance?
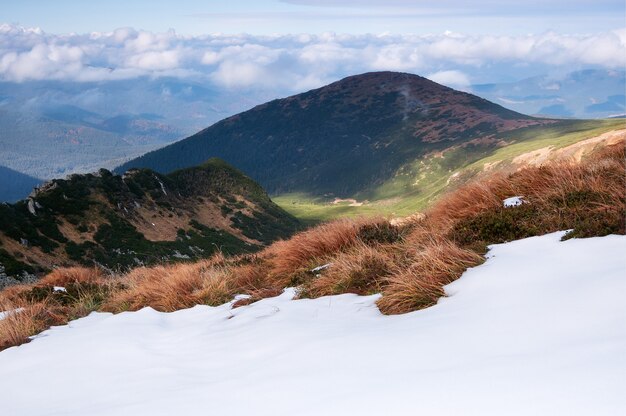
(417, 184)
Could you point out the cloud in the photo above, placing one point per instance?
(291, 63)
(454, 79)
(154, 60)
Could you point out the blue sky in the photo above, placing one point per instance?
(194, 17)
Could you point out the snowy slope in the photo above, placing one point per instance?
(539, 329)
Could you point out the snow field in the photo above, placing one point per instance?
(538, 329)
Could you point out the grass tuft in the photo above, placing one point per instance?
(419, 284)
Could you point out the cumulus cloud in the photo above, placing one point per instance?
(456, 79)
(292, 62)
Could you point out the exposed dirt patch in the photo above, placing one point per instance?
(351, 202)
(33, 255)
(411, 219)
(159, 226)
(574, 152)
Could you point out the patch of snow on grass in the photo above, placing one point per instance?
(7, 313)
(513, 201)
(538, 329)
(320, 268)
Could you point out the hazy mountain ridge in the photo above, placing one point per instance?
(590, 93)
(15, 185)
(50, 129)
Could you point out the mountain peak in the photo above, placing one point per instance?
(344, 137)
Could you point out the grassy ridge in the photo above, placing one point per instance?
(139, 218)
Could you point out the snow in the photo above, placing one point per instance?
(538, 329)
(513, 201)
(31, 207)
(162, 186)
(320, 268)
(7, 313)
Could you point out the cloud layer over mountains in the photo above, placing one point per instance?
(293, 62)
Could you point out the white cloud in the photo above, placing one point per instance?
(239, 74)
(154, 60)
(454, 79)
(294, 62)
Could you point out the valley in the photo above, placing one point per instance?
(417, 184)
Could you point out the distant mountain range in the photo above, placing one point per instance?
(344, 138)
(582, 94)
(139, 218)
(15, 185)
(49, 129)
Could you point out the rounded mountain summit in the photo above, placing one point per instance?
(344, 138)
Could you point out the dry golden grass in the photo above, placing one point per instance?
(408, 264)
(25, 320)
(359, 270)
(253, 279)
(420, 282)
(65, 276)
(293, 255)
(589, 197)
(469, 200)
(164, 288)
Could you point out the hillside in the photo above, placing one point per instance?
(407, 262)
(418, 184)
(15, 185)
(139, 218)
(342, 139)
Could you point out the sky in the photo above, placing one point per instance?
(292, 45)
(194, 17)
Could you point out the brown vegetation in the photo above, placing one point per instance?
(408, 263)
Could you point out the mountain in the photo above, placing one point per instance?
(591, 93)
(49, 129)
(138, 218)
(15, 185)
(344, 138)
